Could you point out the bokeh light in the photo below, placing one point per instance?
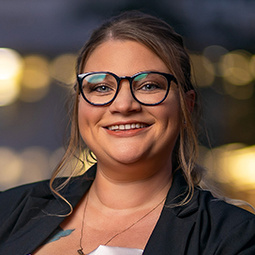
(235, 67)
(241, 167)
(35, 164)
(252, 66)
(10, 71)
(232, 164)
(63, 68)
(243, 92)
(202, 70)
(29, 165)
(36, 78)
(10, 167)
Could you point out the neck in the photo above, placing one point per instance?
(144, 189)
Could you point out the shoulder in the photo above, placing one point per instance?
(224, 224)
(220, 209)
(11, 198)
(205, 224)
(38, 194)
(22, 190)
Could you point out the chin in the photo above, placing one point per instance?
(127, 160)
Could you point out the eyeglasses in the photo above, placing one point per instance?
(147, 88)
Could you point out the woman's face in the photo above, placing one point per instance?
(157, 127)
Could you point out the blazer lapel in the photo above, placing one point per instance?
(174, 227)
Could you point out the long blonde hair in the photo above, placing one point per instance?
(159, 37)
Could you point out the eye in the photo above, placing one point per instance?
(98, 88)
(150, 87)
(99, 83)
(102, 88)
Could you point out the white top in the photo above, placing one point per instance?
(109, 250)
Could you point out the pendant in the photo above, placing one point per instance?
(80, 252)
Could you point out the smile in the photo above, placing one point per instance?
(127, 126)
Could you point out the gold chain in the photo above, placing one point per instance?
(80, 251)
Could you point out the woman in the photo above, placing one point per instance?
(135, 108)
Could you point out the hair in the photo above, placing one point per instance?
(168, 45)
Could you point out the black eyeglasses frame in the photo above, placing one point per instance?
(168, 76)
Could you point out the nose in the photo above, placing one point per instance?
(124, 102)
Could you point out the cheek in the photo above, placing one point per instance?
(85, 119)
(171, 120)
(83, 115)
(87, 113)
(89, 121)
(171, 113)
(172, 124)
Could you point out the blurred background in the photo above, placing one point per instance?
(39, 41)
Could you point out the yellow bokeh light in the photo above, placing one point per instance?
(240, 166)
(252, 66)
(233, 164)
(9, 91)
(63, 68)
(202, 70)
(237, 75)
(235, 67)
(10, 63)
(10, 168)
(36, 78)
(10, 71)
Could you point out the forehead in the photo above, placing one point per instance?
(123, 57)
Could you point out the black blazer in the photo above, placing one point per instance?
(206, 225)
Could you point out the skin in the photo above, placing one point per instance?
(134, 167)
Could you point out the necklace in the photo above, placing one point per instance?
(80, 251)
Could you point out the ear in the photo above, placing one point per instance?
(190, 99)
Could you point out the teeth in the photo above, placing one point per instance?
(127, 126)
